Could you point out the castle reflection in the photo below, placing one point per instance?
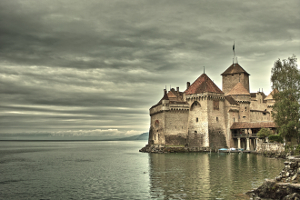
(206, 176)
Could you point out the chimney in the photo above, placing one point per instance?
(177, 88)
(165, 91)
(188, 84)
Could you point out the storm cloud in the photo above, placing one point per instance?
(96, 67)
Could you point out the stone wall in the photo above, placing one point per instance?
(157, 128)
(217, 123)
(262, 147)
(198, 123)
(176, 122)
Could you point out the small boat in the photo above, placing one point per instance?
(232, 150)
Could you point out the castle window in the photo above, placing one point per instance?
(217, 119)
(195, 104)
(245, 108)
(244, 116)
(156, 123)
(195, 131)
(216, 104)
(233, 119)
(196, 119)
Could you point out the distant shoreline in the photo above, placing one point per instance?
(111, 140)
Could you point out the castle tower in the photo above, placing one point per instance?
(206, 122)
(233, 75)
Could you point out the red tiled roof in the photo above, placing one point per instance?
(203, 84)
(240, 125)
(234, 69)
(238, 89)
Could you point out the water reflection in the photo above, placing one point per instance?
(208, 176)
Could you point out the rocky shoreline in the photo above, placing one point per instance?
(286, 186)
(172, 149)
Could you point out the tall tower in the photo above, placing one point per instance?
(233, 75)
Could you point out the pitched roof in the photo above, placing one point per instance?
(235, 68)
(165, 97)
(270, 96)
(231, 100)
(240, 125)
(203, 84)
(238, 89)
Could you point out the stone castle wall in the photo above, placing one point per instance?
(216, 122)
(176, 122)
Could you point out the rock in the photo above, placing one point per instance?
(278, 178)
(285, 186)
(294, 177)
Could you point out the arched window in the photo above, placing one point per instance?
(195, 105)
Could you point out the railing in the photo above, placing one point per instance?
(243, 135)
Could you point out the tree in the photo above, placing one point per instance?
(263, 133)
(286, 111)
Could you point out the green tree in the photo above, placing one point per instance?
(286, 111)
(263, 133)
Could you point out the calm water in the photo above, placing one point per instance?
(116, 170)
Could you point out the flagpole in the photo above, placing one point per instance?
(233, 48)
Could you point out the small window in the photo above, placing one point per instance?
(244, 116)
(196, 119)
(217, 119)
(216, 104)
(245, 108)
(195, 131)
(156, 123)
(233, 119)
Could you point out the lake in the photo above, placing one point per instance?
(116, 170)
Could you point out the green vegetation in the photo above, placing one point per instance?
(285, 79)
(275, 138)
(263, 133)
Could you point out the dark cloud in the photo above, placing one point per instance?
(90, 65)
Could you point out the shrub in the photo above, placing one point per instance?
(275, 138)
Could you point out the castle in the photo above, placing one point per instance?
(203, 116)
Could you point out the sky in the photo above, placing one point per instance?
(93, 68)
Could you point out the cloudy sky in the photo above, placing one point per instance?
(95, 67)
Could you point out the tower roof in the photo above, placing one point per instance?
(270, 96)
(235, 68)
(238, 89)
(203, 84)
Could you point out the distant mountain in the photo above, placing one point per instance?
(143, 136)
